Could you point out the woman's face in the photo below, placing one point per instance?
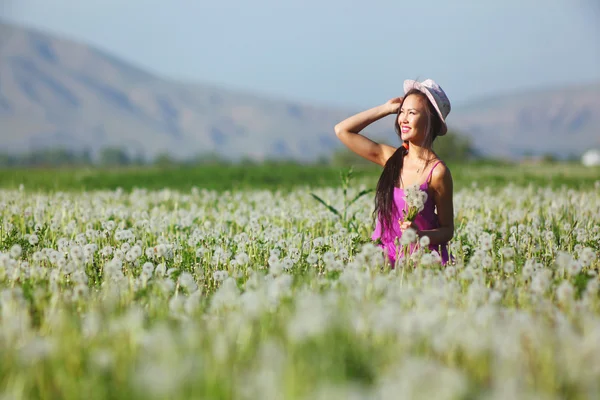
(412, 119)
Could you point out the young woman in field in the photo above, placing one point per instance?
(420, 118)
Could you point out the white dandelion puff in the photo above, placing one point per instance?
(408, 236)
(33, 239)
(564, 292)
(16, 251)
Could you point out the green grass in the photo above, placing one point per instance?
(282, 176)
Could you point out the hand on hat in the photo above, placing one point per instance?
(393, 105)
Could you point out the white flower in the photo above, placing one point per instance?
(527, 269)
(343, 254)
(495, 297)
(186, 281)
(161, 270)
(427, 259)
(507, 252)
(287, 263)
(80, 276)
(220, 275)
(161, 250)
(564, 292)
(242, 258)
(15, 251)
(177, 304)
(106, 251)
(275, 253)
(487, 261)
(38, 257)
(574, 267)
(485, 241)
(148, 268)
(149, 252)
(79, 292)
(76, 253)
(541, 281)
(33, 239)
(273, 259)
(563, 259)
(328, 257)
(415, 197)
(592, 287)
(166, 285)
(408, 236)
(102, 359)
(276, 268)
(312, 258)
(509, 267)
(587, 256)
(130, 256)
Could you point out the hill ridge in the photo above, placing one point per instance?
(58, 92)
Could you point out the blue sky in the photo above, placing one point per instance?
(338, 52)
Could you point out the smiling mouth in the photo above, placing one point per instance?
(405, 129)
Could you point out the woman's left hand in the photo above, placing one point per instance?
(404, 225)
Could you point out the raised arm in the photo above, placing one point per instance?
(348, 131)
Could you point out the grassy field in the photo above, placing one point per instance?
(266, 294)
(282, 176)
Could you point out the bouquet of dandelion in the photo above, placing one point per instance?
(415, 199)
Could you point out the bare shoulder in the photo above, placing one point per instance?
(441, 178)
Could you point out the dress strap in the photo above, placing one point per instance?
(431, 171)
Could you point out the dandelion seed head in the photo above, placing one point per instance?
(161, 270)
(408, 236)
(16, 251)
(312, 258)
(564, 292)
(220, 275)
(33, 239)
(427, 259)
(574, 267)
(509, 267)
(186, 281)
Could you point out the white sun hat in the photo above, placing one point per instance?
(435, 94)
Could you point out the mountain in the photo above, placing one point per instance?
(55, 92)
(561, 121)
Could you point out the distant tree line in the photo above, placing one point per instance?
(450, 147)
(48, 157)
(107, 157)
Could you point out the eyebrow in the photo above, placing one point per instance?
(414, 109)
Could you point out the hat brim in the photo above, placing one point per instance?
(412, 84)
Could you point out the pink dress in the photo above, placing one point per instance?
(425, 220)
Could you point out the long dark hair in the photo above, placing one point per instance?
(390, 177)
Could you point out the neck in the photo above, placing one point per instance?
(418, 152)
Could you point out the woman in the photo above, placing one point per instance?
(420, 119)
